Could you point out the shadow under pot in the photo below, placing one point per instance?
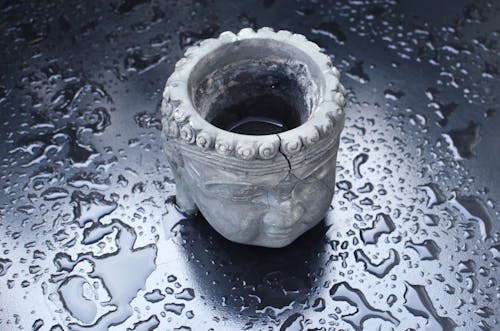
(251, 126)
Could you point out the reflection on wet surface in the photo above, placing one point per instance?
(90, 238)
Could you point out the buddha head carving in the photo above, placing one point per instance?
(251, 126)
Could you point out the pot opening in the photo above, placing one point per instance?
(254, 87)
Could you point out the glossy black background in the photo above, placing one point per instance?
(80, 86)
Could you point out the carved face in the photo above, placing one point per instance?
(268, 210)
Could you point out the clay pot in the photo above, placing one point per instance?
(251, 126)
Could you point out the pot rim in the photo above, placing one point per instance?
(182, 121)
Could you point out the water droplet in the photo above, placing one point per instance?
(137, 61)
(97, 119)
(466, 266)
(154, 296)
(367, 188)
(33, 31)
(391, 300)
(495, 251)
(147, 120)
(449, 289)
(444, 111)
(431, 220)
(378, 269)
(344, 292)
(186, 294)
(344, 185)
(319, 305)
(56, 327)
(357, 73)
(418, 303)
(37, 325)
(331, 30)
(75, 301)
(188, 38)
(474, 209)
(173, 307)
(393, 95)
(126, 6)
(382, 224)
(434, 194)
(109, 270)
(462, 142)
(358, 161)
(484, 312)
(427, 250)
(90, 207)
(350, 196)
(54, 193)
(146, 325)
(5, 264)
(184, 328)
(90, 181)
(293, 323)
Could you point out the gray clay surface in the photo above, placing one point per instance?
(259, 189)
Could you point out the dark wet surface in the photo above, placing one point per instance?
(89, 236)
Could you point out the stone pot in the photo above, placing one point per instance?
(251, 126)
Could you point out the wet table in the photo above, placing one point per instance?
(90, 238)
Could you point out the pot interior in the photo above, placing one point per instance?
(255, 87)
